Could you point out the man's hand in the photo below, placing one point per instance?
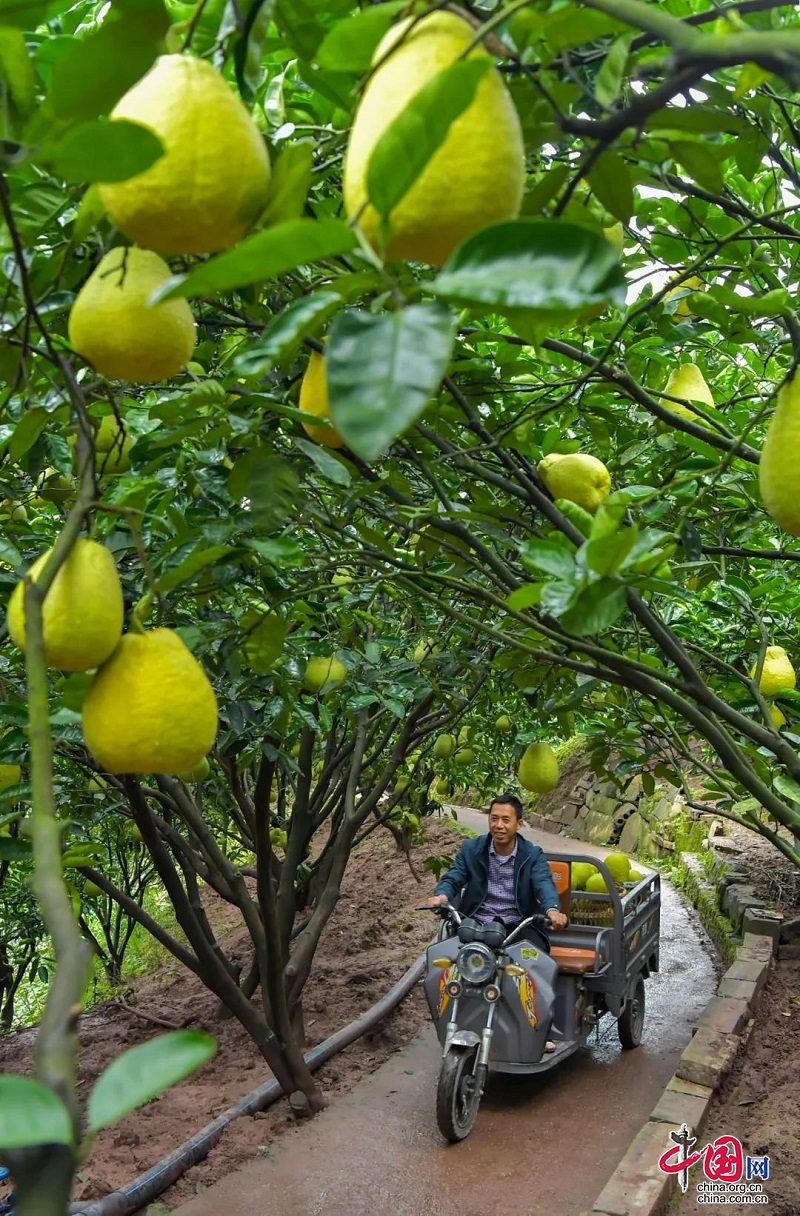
(557, 918)
(436, 901)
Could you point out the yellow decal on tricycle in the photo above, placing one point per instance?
(527, 997)
(444, 996)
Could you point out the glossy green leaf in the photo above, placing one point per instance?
(274, 491)
(27, 431)
(17, 75)
(248, 49)
(30, 1114)
(290, 183)
(605, 556)
(787, 787)
(327, 464)
(263, 639)
(597, 607)
(549, 557)
(12, 848)
(266, 255)
(96, 71)
(699, 163)
(544, 266)
(142, 1072)
(27, 14)
(206, 555)
(350, 45)
(383, 370)
(412, 138)
(524, 597)
(301, 319)
(610, 180)
(102, 151)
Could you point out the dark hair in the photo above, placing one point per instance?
(510, 799)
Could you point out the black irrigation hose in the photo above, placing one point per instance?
(153, 1182)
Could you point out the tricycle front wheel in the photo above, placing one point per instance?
(630, 1023)
(458, 1095)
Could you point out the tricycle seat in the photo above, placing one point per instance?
(572, 960)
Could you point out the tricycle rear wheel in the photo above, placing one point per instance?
(630, 1023)
(458, 1094)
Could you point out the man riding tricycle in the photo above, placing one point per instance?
(525, 968)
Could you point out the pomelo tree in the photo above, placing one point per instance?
(657, 232)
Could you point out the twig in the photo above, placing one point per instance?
(151, 1017)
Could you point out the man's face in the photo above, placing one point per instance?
(503, 823)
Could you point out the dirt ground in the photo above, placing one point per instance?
(373, 936)
(759, 1102)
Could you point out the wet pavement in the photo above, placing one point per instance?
(540, 1147)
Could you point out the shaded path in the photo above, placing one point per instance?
(539, 1148)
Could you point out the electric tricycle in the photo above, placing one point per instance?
(501, 1002)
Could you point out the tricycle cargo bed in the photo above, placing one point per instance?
(612, 936)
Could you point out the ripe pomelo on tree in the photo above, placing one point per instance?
(687, 381)
(777, 470)
(777, 672)
(150, 708)
(579, 477)
(314, 400)
(83, 611)
(91, 889)
(323, 672)
(474, 178)
(115, 329)
(444, 747)
(198, 773)
(212, 182)
(538, 769)
(503, 724)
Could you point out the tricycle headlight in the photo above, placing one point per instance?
(476, 963)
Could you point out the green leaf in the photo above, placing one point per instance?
(550, 268)
(327, 464)
(301, 319)
(30, 1114)
(249, 47)
(16, 73)
(206, 555)
(786, 787)
(96, 71)
(27, 14)
(350, 45)
(597, 607)
(265, 255)
(524, 597)
(544, 555)
(610, 180)
(698, 162)
(10, 553)
(290, 183)
(608, 81)
(544, 189)
(411, 139)
(27, 431)
(605, 556)
(382, 371)
(145, 1071)
(102, 151)
(263, 640)
(14, 849)
(273, 490)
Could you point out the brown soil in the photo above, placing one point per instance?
(373, 936)
(759, 1101)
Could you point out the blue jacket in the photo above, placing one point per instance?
(535, 889)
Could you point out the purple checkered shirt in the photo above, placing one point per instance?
(501, 901)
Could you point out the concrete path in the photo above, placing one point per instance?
(539, 1147)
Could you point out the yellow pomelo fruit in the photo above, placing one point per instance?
(12, 512)
(97, 785)
(618, 866)
(212, 182)
(596, 882)
(314, 400)
(198, 773)
(444, 747)
(10, 774)
(441, 788)
(777, 672)
(503, 724)
(150, 708)
(91, 890)
(580, 873)
(538, 768)
(82, 613)
(580, 478)
(115, 330)
(465, 755)
(401, 783)
(687, 381)
(778, 476)
(136, 833)
(424, 650)
(112, 445)
(777, 717)
(615, 235)
(321, 672)
(691, 284)
(635, 875)
(475, 177)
